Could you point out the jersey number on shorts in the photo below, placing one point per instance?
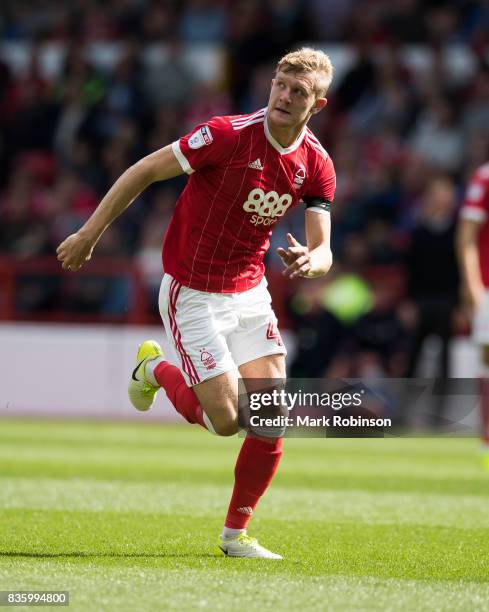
(268, 207)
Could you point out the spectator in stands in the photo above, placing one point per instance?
(169, 83)
(327, 313)
(437, 135)
(433, 280)
(202, 21)
(475, 114)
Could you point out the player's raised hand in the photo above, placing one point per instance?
(296, 258)
(74, 251)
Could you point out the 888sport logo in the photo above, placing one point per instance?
(267, 207)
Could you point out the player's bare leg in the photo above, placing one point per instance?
(218, 397)
(212, 403)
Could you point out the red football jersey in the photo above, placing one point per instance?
(476, 207)
(241, 182)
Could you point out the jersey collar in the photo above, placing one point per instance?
(276, 145)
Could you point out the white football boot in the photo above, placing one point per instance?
(245, 546)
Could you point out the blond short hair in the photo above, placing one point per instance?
(309, 60)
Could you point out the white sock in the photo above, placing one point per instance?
(149, 371)
(231, 534)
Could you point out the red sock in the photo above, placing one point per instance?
(256, 464)
(484, 408)
(182, 397)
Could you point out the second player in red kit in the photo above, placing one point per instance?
(473, 248)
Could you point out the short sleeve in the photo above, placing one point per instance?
(476, 203)
(206, 145)
(322, 185)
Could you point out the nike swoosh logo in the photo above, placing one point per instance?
(223, 550)
(136, 369)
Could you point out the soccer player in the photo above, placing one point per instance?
(245, 172)
(473, 249)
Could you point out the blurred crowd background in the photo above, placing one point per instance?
(89, 87)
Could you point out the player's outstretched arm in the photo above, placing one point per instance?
(316, 258)
(158, 166)
(468, 257)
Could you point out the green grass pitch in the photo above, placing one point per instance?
(126, 517)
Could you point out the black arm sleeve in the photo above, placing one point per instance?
(316, 202)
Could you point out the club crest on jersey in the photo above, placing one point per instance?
(207, 359)
(200, 138)
(299, 177)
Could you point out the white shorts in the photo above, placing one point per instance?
(480, 324)
(213, 333)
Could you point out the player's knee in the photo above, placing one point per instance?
(227, 430)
